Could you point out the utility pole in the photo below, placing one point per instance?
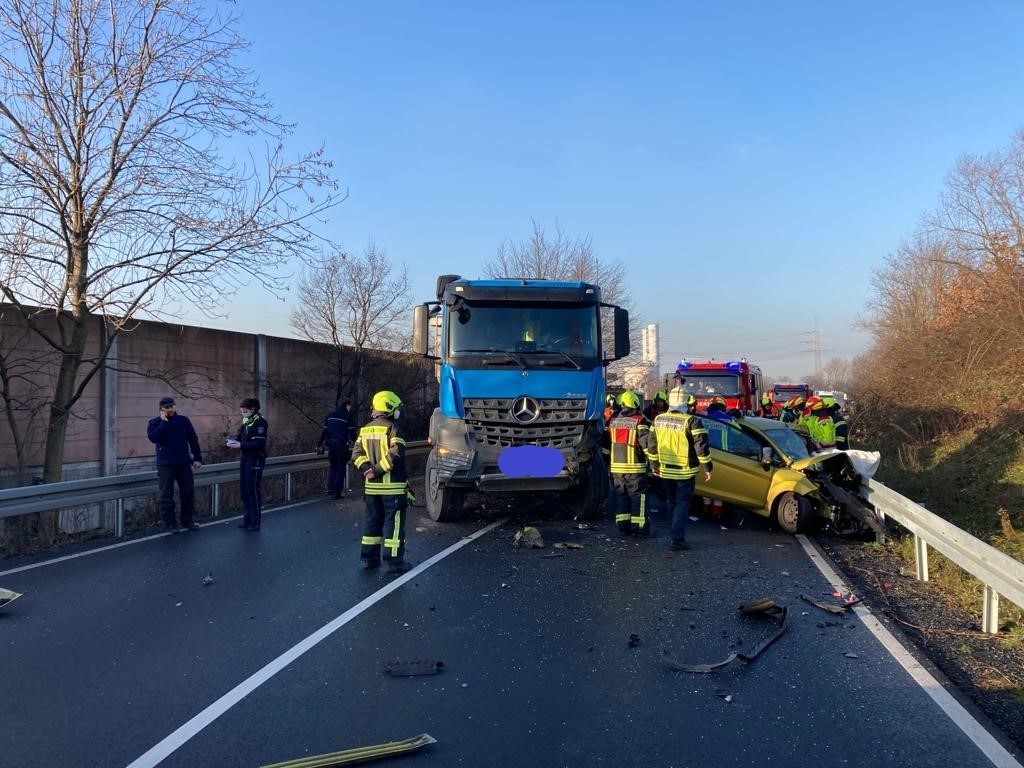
(816, 347)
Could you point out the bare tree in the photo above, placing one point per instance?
(114, 195)
(558, 257)
(361, 302)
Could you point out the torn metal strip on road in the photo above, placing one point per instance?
(761, 607)
(359, 754)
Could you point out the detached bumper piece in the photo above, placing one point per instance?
(359, 754)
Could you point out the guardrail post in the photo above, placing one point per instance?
(990, 611)
(921, 557)
(215, 501)
(119, 518)
(288, 487)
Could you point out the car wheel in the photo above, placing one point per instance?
(793, 512)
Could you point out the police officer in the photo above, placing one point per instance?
(379, 453)
(252, 441)
(678, 444)
(628, 466)
(337, 435)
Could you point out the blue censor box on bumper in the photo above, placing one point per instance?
(531, 461)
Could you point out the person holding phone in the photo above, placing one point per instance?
(177, 454)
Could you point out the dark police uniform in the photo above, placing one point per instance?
(253, 439)
(336, 435)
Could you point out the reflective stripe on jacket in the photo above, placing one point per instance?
(380, 445)
(679, 444)
(625, 440)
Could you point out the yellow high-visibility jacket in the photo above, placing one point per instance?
(381, 445)
(678, 443)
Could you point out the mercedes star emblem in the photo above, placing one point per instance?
(525, 409)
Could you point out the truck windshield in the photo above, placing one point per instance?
(701, 384)
(784, 393)
(556, 335)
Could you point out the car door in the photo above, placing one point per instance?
(738, 477)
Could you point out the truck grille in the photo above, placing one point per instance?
(559, 425)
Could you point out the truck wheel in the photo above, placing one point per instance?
(793, 512)
(443, 504)
(586, 500)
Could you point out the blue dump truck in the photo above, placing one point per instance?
(522, 387)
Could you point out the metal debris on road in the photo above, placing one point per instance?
(8, 596)
(413, 668)
(359, 754)
(830, 607)
(764, 606)
(529, 537)
(207, 579)
(634, 640)
(851, 655)
(567, 545)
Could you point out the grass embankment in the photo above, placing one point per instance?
(974, 479)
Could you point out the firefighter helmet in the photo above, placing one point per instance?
(718, 400)
(798, 402)
(676, 398)
(816, 404)
(386, 401)
(660, 394)
(629, 400)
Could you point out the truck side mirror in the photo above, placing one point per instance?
(421, 330)
(621, 333)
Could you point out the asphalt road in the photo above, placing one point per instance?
(106, 657)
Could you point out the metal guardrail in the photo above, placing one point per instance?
(76, 493)
(1000, 573)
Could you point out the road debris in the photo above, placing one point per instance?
(207, 579)
(764, 606)
(567, 545)
(8, 596)
(413, 668)
(359, 754)
(528, 538)
(851, 655)
(553, 554)
(634, 640)
(830, 607)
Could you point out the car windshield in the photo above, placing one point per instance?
(789, 442)
(560, 335)
(701, 384)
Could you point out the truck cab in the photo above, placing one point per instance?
(739, 382)
(521, 362)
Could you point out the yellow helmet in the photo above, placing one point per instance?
(629, 400)
(660, 395)
(386, 401)
(718, 400)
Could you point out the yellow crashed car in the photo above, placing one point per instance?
(763, 465)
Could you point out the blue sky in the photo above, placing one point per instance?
(752, 162)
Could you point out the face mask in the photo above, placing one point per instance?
(398, 412)
(246, 416)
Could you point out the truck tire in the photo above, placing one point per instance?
(443, 504)
(794, 513)
(586, 500)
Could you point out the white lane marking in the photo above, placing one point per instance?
(218, 521)
(183, 734)
(963, 719)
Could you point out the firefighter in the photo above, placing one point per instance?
(658, 405)
(611, 409)
(623, 440)
(766, 405)
(379, 453)
(814, 403)
(821, 429)
(691, 404)
(791, 410)
(718, 412)
(677, 444)
(842, 430)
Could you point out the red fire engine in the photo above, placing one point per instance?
(737, 381)
(783, 392)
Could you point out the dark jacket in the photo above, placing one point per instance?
(253, 437)
(173, 439)
(381, 445)
(339, 429)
